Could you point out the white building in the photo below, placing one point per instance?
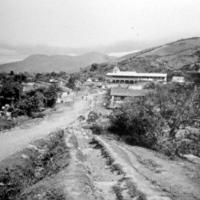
(132, 77)
(178, 79)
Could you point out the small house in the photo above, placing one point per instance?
(178, 79)
(118, 95)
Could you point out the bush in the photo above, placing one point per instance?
(96, 129)
(29, 104)
(167, 147)
(81, 118)
(135, 125)
(154, 121)
(92, 117)
(10, 92)
(51, 96)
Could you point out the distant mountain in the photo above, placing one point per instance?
(179, 55)
(56, 63)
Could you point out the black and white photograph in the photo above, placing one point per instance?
(99, 99)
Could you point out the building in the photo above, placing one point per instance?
(66, 96)
(118, 94)
(178, 79)
(132, 77)
(27, 87)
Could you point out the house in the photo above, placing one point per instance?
(118, 95)
(89, 80)
(28, 86)
(54, 81)
(118, 77)
(178, 79)
(66, 96)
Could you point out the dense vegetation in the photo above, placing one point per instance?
(14, 100)
(156, 120)
(35, 100)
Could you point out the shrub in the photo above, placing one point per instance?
(96, 129)
(10, 92)
(92, 117)
(50, 95)
(135, 125)
(153, 121)
(167, 147)
(81, 118)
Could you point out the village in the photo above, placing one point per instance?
(121, 84)
(99, 100)
(99, 130)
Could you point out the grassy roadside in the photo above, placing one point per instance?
(41, 159)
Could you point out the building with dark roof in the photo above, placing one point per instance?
(118, 94)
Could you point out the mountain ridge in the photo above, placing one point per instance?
(171, 56)
(176, 57)
(48, 63)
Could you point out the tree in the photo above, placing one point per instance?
(51, 95)
(31, 102)
(20, 77)
(136, 123)
(72, 81)
(93, 67)
(11, 91)
(175, 103)
(12, 73)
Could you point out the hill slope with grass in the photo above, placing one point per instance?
(181, 55)
(172, 56)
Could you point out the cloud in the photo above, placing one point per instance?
(81, 23)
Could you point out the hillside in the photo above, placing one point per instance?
(179, 55)
(176, 56)
(56, 63)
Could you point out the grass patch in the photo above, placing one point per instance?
(125, 189)
(109, 160)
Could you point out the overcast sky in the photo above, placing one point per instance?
(79, 23)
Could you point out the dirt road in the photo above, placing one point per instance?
(120, 171)
(102, 168)
(14, 140)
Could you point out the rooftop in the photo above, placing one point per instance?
(124, 92)
(133, 73)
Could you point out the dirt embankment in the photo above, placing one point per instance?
(53, 168)
(39, 160)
